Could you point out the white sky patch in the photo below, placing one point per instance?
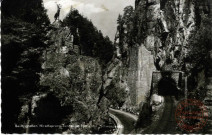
(84, 8)
(103, 13)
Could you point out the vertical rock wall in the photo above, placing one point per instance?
(133, 73)
(140, 73)
(145, 69)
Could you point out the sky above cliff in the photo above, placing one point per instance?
(103, 13)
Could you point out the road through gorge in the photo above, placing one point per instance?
(165, 124)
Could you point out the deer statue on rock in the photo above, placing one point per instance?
(56, 16)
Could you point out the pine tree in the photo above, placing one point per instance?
(92, 41)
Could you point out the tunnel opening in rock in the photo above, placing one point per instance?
(167, 86)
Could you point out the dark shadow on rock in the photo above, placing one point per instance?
(47, 112)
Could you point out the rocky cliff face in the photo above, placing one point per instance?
(169, 24)
(157, 38)
(71, 88)
(75, 79)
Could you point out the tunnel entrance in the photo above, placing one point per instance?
(167, 85)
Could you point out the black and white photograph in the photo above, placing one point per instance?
(106, 66)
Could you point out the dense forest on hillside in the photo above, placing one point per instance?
(24, 26)
(91, 40)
